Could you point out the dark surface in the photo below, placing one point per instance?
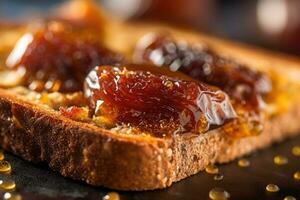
(38, 182)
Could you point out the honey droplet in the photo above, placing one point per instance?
(212, 169)
(218, 177)
(280, 160)
(289, 198)
(7, 184)
(272, 188)
(5, 167)
(218, 194)
(297, 175)
(12, 196)
(244, 163)
(1, 155)
(112, 196)
(296, 150)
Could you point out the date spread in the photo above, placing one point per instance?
(241, 83)
(245, 87)
(57, 58)
(193, 90)
(153, 102)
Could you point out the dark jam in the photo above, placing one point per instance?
(245, 87)
(201, 63)
(155, 103)
(58, 58)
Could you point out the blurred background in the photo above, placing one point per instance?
(272, 24)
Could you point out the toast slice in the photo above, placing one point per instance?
(120, 160)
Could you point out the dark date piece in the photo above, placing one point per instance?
(56, 57)
(241, 83)
(155, 103)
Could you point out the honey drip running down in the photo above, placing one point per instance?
(57, 57)
(156, 103)
(246, 88)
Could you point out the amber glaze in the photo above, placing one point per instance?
(156, 103)
(58, 56)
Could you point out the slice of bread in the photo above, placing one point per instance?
(120, 160)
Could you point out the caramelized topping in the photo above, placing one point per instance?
(201, 63)
(57, 58)
(156, 103)
(246, 88)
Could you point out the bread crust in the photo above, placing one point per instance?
(133, 162)
(82, 151)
